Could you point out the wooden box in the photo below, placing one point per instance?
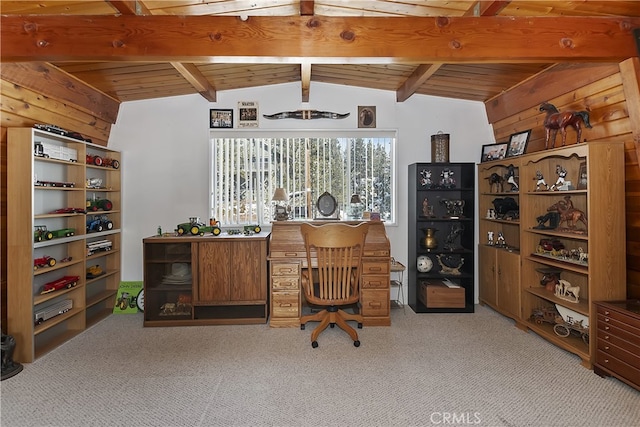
(438, 295)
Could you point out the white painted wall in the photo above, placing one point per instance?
(165, 149)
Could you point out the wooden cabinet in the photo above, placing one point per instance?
(499, 236)
(585, 249)
(205, 280)
(441, 233)
(52, 180)
(618, 341)
(287, 256)
(499, 281)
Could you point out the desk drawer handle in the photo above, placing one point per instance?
(375, 269)
(606, 360)
(377, 283)
(606, 347)
(606, 312)
(375, 304)
(286, 270)
(606, 328)
(606, 319)
(606, 337)
(291, 254)
(285, 305)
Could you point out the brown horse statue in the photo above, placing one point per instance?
(556, 120)
(568, 213)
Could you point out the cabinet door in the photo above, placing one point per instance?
(214, 267)
(508, 282)
(248, 274)
(487, 275)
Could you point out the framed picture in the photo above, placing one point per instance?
(518, 143)
(220, 118)
(247, 114)
(366, 117)
(582, 176)
(494, 151)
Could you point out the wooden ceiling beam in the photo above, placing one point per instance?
(487, 7)
(305, 78)
(317, 39)
(307, 7)
(129, 7)
(415, 80)
(191, 74)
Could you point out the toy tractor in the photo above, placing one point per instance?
(125, 301)
(251, 229)
(197, 228)
(42, 233)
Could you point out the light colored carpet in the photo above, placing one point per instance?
(427, 369)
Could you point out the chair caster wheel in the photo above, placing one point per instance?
(332, 325)
(356, 343)
(302, 327)
(314, 344)
(359, 325)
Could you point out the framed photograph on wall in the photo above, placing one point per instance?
(220, 119)
(518, 143)
(247, 114)
(494, 151)
(366, 117)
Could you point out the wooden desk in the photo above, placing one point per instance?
(287, 256)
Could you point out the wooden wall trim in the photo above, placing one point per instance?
(56, 84)
(630, 72)
(548, 84)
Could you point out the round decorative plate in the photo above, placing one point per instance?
(326, 204)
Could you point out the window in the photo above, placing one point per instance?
(246, 170)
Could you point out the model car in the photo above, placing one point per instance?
(64, 232)
(54, 184)
(195, 227)
(63, 282)
(69, 211)
(45, 261)
(94, 271)
(41, 233)
(51, 128)
(99, 223)
(99, 205)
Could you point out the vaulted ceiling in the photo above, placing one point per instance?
(474, 50)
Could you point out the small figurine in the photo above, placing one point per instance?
(159, 231)
(501, 243)
(566, 292)
(552, 217)
(497, 182)
(425, 181)
(511, 178)
(491, 213)
(569, 215)
(490, 238)
(562, 173)
(540, 181)
(455, 208)
(446, 265)
(427, 209)
(447, 180)
(455, 230)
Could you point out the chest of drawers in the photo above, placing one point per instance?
(618, 341)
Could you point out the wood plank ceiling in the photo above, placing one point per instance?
(127, 80)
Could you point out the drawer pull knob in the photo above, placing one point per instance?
(606, 328)
(285, 305)
(375, 304)
(606, 312)
(606, 319)
(606, 347)
(606, 337)
(606, 360)
(374, 269)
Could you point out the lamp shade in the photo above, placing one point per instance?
(280, 195)
(356, 199)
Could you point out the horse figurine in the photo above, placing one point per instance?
(568, 213)
(556, 120)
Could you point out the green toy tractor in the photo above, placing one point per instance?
(197, 228)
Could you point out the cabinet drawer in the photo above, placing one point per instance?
(285, 269)
(284, 283)
(375, 267)
(285, 304)
(618, 366)
(610, 333)
(613, 315)
(375, 302)
(375, 281)
(624, 352)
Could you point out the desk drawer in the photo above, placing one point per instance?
(610, 332)
(285, 283)
(620, 350)
(618, 366)
(285, 269)
(375, 281)
(285, 304)
(612, 316)
(375, 267)
(375, 302)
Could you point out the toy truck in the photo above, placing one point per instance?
(52, 311)
(98, 246)
(195, 227)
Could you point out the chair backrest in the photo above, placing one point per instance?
(334, 258)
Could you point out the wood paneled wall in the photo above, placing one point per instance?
(32, 94)
(610, 92)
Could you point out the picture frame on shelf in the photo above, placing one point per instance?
(494, 151)
(582, 176)
(220, 118)
(518, 143)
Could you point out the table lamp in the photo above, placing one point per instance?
(356, 203)
(281, 211)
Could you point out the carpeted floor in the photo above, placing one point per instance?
(429, 369)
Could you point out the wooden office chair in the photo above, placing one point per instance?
(332, 276)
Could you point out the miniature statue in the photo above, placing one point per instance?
(490, 238)
(425, 181)
(491, 213)
(446, 265)
(501, 243)
(562, 173)
(550, 280)
(566, 292)
(569, 214)
(455, 208)
(511, 178)
(427, 209)
(552, 217)
(9, 367)
(540, 181)
(556, 120)
(497, 182)
(447, 180)
(455, 230)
